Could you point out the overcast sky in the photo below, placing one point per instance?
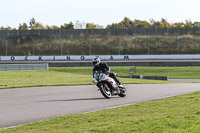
(102, 12)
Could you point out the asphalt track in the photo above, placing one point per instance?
(23, 105)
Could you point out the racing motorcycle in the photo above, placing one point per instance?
(108, 86)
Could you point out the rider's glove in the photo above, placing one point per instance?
(94, 80)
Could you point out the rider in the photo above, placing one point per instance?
(98, 65)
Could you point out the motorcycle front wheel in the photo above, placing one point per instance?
(105, 91)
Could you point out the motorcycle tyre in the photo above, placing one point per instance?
(103, 92)
(122, 92)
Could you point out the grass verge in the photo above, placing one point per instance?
(83, 76)
(179, 114)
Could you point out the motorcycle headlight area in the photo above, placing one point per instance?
(102, 76)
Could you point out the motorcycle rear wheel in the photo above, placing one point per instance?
(105, 91)
(122, 92)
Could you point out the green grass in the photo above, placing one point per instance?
(172, 72)
(83, 76)
(179, 114)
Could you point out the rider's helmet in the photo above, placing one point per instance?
(96, 61)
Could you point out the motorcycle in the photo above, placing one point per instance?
(108, 86)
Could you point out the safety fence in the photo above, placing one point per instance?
(89, 32)
(132, 41)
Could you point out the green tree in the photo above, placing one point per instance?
(178, 25)
(23, 26)
(188, 24)
(196, 24)
(153, 23)
(1, 28)
(53, 27)
(39, 26)
(146, 24)
(141, 24)
(68, 26)
(159, 24)
(113, 25)
(6, 28)
(165, 24)
(93, 26)
(127, 23)
(32, 23)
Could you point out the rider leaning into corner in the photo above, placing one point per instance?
(102, 66)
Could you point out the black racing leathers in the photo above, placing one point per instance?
(103, 67)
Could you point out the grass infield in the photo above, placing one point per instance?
(176, 114)
(83, 76)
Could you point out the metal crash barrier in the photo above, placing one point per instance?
(132, 74)
(23, 67)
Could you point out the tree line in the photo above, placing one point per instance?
(125, 23)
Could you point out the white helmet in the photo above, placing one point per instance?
(96, 61)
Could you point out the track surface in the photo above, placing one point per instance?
(184, 80)
(22, 105)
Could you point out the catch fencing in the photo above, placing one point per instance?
(89, 32)
(132, 41)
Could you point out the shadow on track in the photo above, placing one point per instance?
(79, 99)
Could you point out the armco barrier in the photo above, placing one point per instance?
(112, 60)
(124, 63)
(150, 77)
(23, 67)
(103, 57)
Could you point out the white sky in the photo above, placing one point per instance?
(102, 12)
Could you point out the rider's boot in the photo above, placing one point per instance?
(120, 84)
